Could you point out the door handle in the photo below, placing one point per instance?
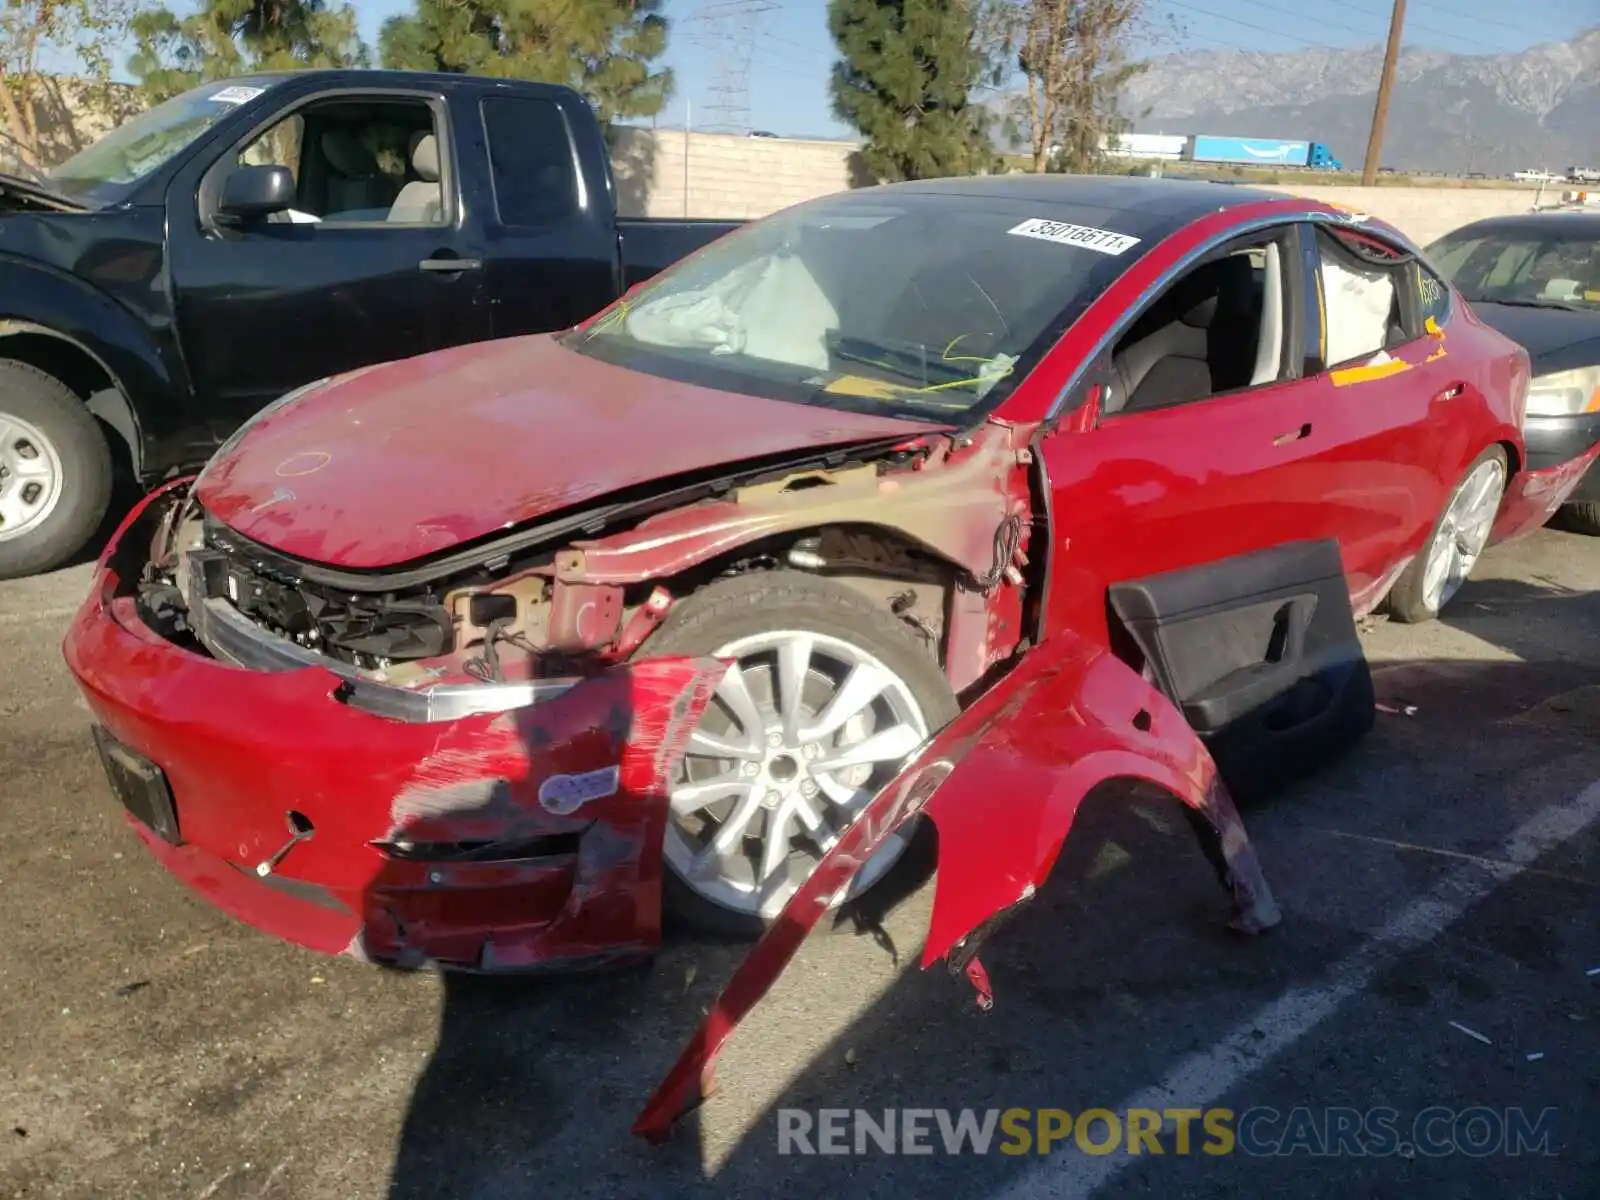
(1450, 393)
(450, 265)
(1294, 435)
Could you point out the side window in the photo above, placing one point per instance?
(357, 161)
(1222, 326)
(1434, 296)
(530, 161)
(277, 147)
(1363, 299)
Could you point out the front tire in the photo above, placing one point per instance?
(829, 696)
(55, 472)
(1582, 518)
(1454, 544)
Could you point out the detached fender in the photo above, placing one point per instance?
(1002, 784)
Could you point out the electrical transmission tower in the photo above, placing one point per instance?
(729, 30)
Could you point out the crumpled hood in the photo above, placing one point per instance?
(405, 460)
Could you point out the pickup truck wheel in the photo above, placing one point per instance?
(829, 696)
(1454, 544)
(55, 472)
(1582, 518)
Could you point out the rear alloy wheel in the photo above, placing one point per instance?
(1457, 541)
(55, 472)
(827, 698)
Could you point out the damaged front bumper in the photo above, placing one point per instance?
(399, 827)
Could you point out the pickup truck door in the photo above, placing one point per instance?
(547, 214)
(377, 262)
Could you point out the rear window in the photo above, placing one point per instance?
(530, 161)
(1552, 266)
(921, 304)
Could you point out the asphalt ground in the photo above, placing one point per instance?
(1446, 871)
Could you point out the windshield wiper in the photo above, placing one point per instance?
(36, 183)
(46, 196)
(20, 154)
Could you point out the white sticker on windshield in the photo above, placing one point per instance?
(1102, 240)
(237, 94)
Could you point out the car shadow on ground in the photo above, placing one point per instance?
(1118, 970)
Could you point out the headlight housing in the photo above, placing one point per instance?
(1565, 393)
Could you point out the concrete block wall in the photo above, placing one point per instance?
(744, 177)
(1423, 213)
(728, 175)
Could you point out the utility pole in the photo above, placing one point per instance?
(1380, 110)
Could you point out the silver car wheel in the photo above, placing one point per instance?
(30, 477)
(1463, 533)
(804, 730)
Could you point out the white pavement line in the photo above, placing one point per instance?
(1203, 1078)
(42, 614)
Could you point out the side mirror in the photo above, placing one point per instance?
(251, 193)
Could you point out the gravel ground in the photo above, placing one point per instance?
(1444, 872)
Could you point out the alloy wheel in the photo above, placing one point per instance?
(1463, 532)
(804, 730)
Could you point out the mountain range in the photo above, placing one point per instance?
(1452, 113)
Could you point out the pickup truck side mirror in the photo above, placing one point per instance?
(251, 193)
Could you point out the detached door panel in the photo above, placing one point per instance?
(1260, 653)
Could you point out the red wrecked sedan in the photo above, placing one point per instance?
(487, 657)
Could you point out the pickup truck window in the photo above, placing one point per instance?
(530, 161)
(917, 303)
(107, 170)
(365, 160)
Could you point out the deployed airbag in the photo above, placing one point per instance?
(770, 309)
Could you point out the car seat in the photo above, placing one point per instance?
(422, 200)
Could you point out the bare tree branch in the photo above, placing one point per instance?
(1074, 59)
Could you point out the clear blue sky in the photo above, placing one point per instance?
(793, 52)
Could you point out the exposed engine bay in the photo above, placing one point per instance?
(935, 531)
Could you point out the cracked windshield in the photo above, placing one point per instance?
(921, 303)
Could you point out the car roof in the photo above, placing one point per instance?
(379, 77)
(1575, 223)
(1139, 206)
(1169, 197)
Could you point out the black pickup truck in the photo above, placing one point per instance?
(254, 235)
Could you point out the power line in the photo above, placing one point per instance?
(1320, 20)
(1333, 24)
(1466, 16)
(1421, 28)
(1471, 41)
(1216, 16)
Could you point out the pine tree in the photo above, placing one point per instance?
(230, 37)
(904, 80)
(606, 49)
